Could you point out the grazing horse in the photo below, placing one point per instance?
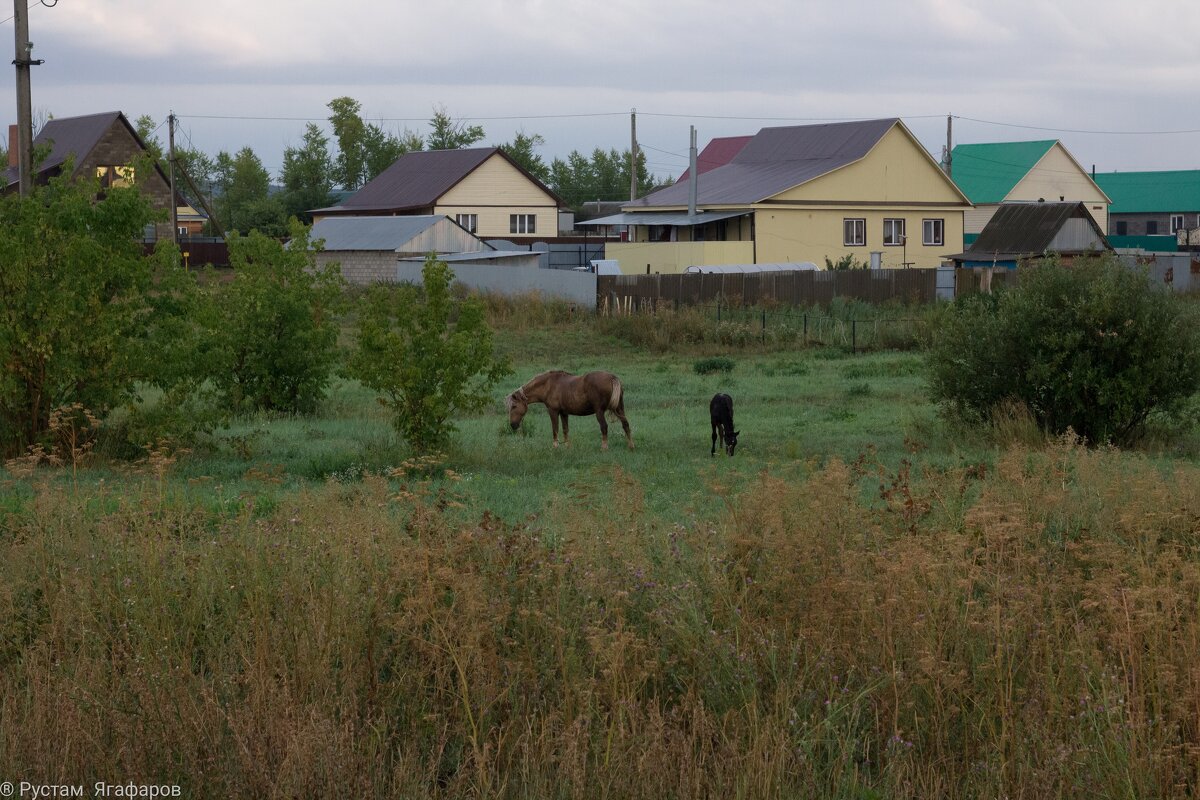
(720, 410)
(578, 395)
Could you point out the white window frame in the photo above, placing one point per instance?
(891, 236)
(854, 232)
(468, 221)
(1176, 222)
(522, 223)
(927, 225)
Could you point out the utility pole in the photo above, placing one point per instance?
(633, 154)
(693, 174)
(22, 60)
(171, 173)
(949, 143)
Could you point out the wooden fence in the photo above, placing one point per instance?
(812, 288)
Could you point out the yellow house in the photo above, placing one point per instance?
(866, 192)
(480, 188)
(1022, 172)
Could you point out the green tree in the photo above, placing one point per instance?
(604, 176)
(1096, 347)
(364, 149)
(522, 150)
(272, 334)
(447, 134)
(307, 175)
(426, 366)
(242, 183)
(81, 306)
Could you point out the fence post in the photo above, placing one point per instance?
(853, 335)
(806, 329)
(718, 308)
(764, 326)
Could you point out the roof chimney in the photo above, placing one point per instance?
(12, 146)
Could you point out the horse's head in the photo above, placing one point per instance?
(517, 404)
(730, 441)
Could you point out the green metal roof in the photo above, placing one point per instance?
(1151, 192)
(986, 173)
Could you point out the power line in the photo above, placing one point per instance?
(1076, 130)
(46, 3)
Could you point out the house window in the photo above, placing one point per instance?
(1122, 228)
(893, 232)
(114, 176)
(181, 230)
(1152, 227)
(521, 223)
(1176, 222)
(933, 232)
(854, 232)
(468, 221)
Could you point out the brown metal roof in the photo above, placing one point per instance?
(775, 160)
(418, 179)
(1027, 228)
(76, 136)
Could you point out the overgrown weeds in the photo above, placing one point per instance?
(1027, 630)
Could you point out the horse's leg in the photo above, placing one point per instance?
(566, 425)
(713, 451)
(554, 424)
(603, 429)
(620, 412)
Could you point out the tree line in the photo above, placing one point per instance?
(245, 196)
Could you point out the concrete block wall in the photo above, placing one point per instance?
(362, 267)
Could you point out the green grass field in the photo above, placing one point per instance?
(865, 602)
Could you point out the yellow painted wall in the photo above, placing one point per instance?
(494, 191)
(1058, 177)
(816, 234)
(897, 170)
(672, 257)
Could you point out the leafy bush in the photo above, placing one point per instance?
(1095, 348)
(271, 334)
(708, 366)
(428, 354)
(84, 314)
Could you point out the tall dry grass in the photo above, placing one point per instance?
(1027, 631)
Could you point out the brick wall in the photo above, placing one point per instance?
(118, 147)
(363, 267)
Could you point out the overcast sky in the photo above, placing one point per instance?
(1115, 81)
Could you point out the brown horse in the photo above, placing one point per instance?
(578, 395)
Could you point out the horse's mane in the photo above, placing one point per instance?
(542, 377)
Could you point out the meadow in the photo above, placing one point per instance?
(866, 601)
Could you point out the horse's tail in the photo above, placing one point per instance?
(614, 399)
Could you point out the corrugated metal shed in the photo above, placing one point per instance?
(1165, 192)
(1021, 230)
(775, 160)
(393, 234)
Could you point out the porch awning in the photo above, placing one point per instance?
(674, 219)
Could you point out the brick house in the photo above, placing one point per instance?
(1152, 203)
(104, 145)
